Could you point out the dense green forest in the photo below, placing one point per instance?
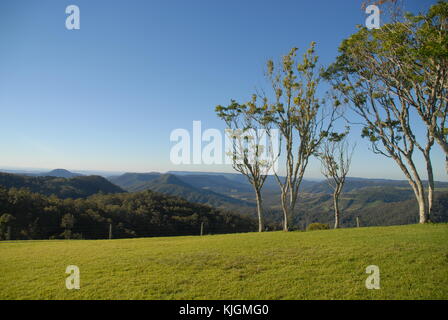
(43, 207)
(28, 215)
(76, 187)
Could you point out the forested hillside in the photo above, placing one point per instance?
(167, 204)
(131, 180)
(352, 184)
(27, 215)
(76, 187)
(198, 189)
(374, 202)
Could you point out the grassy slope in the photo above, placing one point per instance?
(298, 265)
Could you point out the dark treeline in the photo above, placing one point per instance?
(28, 215)
(76, 187)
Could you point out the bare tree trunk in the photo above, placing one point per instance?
(285, 221)
(285, 217)
(419, 191)
(421, 199)
(430, 185)
(283, 197)
(259, 210)
(336, 208)
(422, 210)
(422, 205)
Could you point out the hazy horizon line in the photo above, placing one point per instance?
(14, 169)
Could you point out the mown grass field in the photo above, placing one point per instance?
(330, 264)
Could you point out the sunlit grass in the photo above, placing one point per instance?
(331, 264)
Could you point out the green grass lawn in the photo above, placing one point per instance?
(330, 264)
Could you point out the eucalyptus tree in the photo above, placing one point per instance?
(431, 31)
(246, 131)
(299, 116)
(410, 58)
(418, 46)
(336, 155)
(386, 81)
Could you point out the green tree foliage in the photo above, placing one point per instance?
(77, 187)
(6, 221)
(244, 122)
(68, 221)
(335, 155)
(143, 214)
(391, 73)
(299, 115)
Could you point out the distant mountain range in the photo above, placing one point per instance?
(352, 184)
(56, 172)
(235, 185)
(199, 189)
(76, 187)
(377, 201)
(60, 173)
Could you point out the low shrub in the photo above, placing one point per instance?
(317, 226)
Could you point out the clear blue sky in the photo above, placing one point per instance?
(107, 96)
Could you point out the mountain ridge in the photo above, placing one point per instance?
(61, 173)
(175, 186)
(76, 187)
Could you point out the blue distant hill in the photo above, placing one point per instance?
(61, 173)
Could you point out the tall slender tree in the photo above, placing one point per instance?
(245, 129)
(300, 118)
(336, 156)
(359, 75)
